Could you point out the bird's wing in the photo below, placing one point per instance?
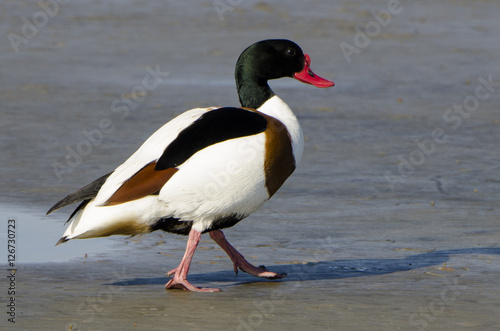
(212, 127)
(86, 193)
(109, 183)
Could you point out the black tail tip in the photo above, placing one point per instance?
(54, 207)
(62, 240)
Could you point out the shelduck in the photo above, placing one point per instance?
(206, 169)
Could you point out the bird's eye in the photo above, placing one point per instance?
(290, 52)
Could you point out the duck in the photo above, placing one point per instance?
(206, 169)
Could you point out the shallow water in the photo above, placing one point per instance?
(36, 235)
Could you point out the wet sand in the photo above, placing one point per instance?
(391, 222)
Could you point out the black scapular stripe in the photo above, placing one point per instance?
(212, 127)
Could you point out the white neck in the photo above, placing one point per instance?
(278, 109)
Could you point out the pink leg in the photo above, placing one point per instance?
(179, 280)
(239, 261)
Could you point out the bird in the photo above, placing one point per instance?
(206, 169)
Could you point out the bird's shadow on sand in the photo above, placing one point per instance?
(335, 269)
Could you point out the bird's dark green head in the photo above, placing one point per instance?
(271, 59)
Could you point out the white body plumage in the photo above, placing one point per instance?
(222, 179)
